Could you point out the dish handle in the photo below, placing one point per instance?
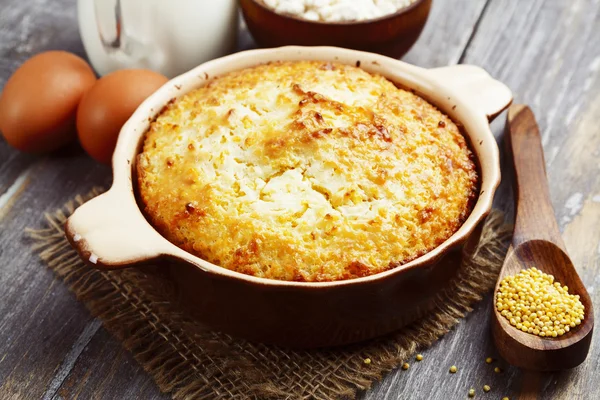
(482, 91)
(110, 232)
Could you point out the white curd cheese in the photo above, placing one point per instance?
(337, 10)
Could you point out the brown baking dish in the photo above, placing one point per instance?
(392, 35)
(111, 232)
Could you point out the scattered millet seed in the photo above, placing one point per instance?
(532, 302)
(419, 357)
(497, 370)
(489, 360)
(453, 369)
(471, 392)
(486, 388)
(405, 366)
(367, 361)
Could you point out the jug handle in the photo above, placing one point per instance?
(113, 33)
(109, 21)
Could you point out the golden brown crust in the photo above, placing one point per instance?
(305, 171)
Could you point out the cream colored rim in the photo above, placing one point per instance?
(443, 87)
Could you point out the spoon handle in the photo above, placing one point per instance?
(535, 218)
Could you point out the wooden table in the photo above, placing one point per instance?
(547, 51)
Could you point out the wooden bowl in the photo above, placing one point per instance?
(111, 232)
(392, 35)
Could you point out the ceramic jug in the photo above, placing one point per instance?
(166, 36)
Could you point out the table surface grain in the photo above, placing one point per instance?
(547, 51)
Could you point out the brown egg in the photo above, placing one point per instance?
(39, 102)
(108, 105)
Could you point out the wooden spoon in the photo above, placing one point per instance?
(537, 243)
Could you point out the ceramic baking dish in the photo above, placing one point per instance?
(111, 232)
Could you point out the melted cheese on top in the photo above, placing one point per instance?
(305, 171)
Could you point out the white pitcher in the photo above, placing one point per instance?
(166, 36)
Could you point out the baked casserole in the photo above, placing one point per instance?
(305, 171)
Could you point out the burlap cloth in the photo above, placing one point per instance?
(190, 362)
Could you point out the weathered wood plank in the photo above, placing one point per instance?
(581, 222)
(449, 30)
(105, 371)
(553, 64)
(467, 348)
(40, 320)
(29, 27)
